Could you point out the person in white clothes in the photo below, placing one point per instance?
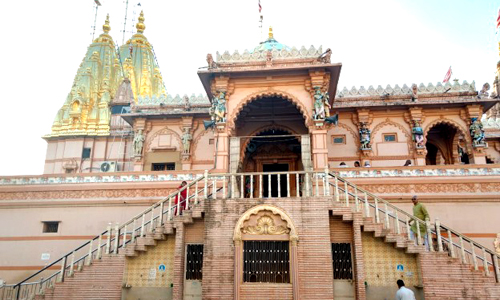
(404, 293)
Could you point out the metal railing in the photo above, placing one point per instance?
(441, 239)
(259, 185)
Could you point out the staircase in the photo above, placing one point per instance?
(455, 267)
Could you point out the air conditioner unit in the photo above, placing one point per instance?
(108, 166)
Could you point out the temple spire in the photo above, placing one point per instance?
(106, 28)
(140, 25)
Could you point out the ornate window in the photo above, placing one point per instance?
(163, 166)
(194, 262)
(266, 261)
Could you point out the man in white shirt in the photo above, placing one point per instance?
(404, 293)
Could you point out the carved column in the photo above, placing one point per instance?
(140, 124)
(415, 118)
(187, 129)
(221, 86)
(319, 147)
(294, 264)
(478, 150)
(238, 267)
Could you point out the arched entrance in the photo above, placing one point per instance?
(270, 130)
(445, 145)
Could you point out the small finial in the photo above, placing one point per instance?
(271, 32)
(106, 28)
(140, 25)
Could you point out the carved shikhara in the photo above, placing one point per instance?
(265, 225)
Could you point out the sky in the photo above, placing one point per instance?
(378, 43)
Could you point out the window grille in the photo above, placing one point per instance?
(266, 261)
(50, 226)
(163, 167)
(194, 262)
(342, 260)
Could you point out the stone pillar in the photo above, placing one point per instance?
(179, 257)
(478, 151)
(319, 148)
(221, 149)
(238, 267)
(359, 265)
(294, 263)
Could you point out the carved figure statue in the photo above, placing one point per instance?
(319, 105)
(326, 102)
(414, 92)
(269, 58)
(139, 139)
(220, 108)
(418, 135)
(483, 93)
(365, 136)
(476, 132)
(211, 63)
(187, 137)
(187, 105)
(325, 57)
(496, 244)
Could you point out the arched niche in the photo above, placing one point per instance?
(265, 223)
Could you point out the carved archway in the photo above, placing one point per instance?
(162, 131)
(268, 93)
(400, 127)
(447, 149)
(265, 207)
(262, 129)
(451, 123)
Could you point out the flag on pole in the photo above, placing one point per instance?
(498, 19)
(260, 9)
(97, 2)
(448, 75)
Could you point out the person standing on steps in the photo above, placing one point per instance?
(180, 199)
(419, 211)
(403, 292)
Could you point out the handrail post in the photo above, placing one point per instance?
(356, 200)
(308, 184)
(196, 190)
(387, 224)
(72, 264)
(214, 188)
(63, 270)
(205, 188)
(337, 196)
(117, 238)
(162, 208)
(179, 204)
(279, 185)
(408, 230)
(367, 206)
(485, 263)
(316, 180)
(496, 267)
(462, 249)
(438, 234)
(419, 234)
(233, 186)
(132, 238)
(124, 243)
(108, 240)
(473, 254)
(251, 186)
(143, 224)
(242, 186)
(450, 244)
(377, 215)
(326, 184)
(269, 192)
(224, 188)
(260, 186)
(99, 247)
(429, 235)
(396, 222)
(170, 206)
(89, 260)
(346, 192)
(151, 224)
(287, 185)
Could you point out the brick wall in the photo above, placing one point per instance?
(103, 280)
(445, 278)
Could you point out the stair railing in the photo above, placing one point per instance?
(108, 242)
(398, 221)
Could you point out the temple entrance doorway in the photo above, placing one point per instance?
(445, 145)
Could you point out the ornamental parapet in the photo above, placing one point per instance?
(284, 53)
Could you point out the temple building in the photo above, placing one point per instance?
(295, 188)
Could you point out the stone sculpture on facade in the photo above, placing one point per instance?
(187, 104)
(211, 63)
(187, 137)
(321, 104)
(496, 244)
(414, 92)
(219, 108)
(476, 132)
(418, 135)
(483, 93)
(139, 139)
(365, 136)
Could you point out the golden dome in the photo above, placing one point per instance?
(140, 25)
(106, 28)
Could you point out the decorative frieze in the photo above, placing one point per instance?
(293, 53)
